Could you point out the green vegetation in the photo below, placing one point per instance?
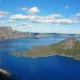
(69, 48)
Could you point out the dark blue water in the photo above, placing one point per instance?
(48, 68)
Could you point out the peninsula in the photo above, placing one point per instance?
(69, 48)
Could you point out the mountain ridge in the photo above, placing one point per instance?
(6, 32)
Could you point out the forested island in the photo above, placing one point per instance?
(69, 48)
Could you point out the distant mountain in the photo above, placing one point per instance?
(69, 48)
(6, 32)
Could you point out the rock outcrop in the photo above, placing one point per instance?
(5, 75)
(8, 33)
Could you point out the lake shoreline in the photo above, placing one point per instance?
(67, 56)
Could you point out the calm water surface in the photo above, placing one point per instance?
(48, 68)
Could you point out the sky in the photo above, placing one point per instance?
(43, 16)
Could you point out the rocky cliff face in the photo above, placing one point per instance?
(8, 33)
(5, 33)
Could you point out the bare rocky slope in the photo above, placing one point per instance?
(8, 33)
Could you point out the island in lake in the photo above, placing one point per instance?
(69, 48)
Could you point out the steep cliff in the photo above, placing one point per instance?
(8, 33)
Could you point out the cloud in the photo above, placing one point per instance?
(34, 17)
(78, 15)
(24, 9)
(3, 14)
(33, 10)
(23, 17)
(64, 21)
(54, 19)
(7, 21)
(66, 7)
(53, 16)
(10, 21)
(18, 17)
(57, 19)
(25, 25)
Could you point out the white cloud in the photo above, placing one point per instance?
(54, 19)
(34, 17)
(23, 17)
(53, 16)
(3, 14)
(57, 19)
(66, 7)
(65, 21)
(25, 25)
(33, 10)
(18, 17)
(24, 9)
(9, 21)
(78, 15)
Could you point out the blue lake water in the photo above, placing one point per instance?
(48, 68)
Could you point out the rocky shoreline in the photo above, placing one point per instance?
(34, 57)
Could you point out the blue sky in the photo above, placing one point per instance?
(44, 16)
